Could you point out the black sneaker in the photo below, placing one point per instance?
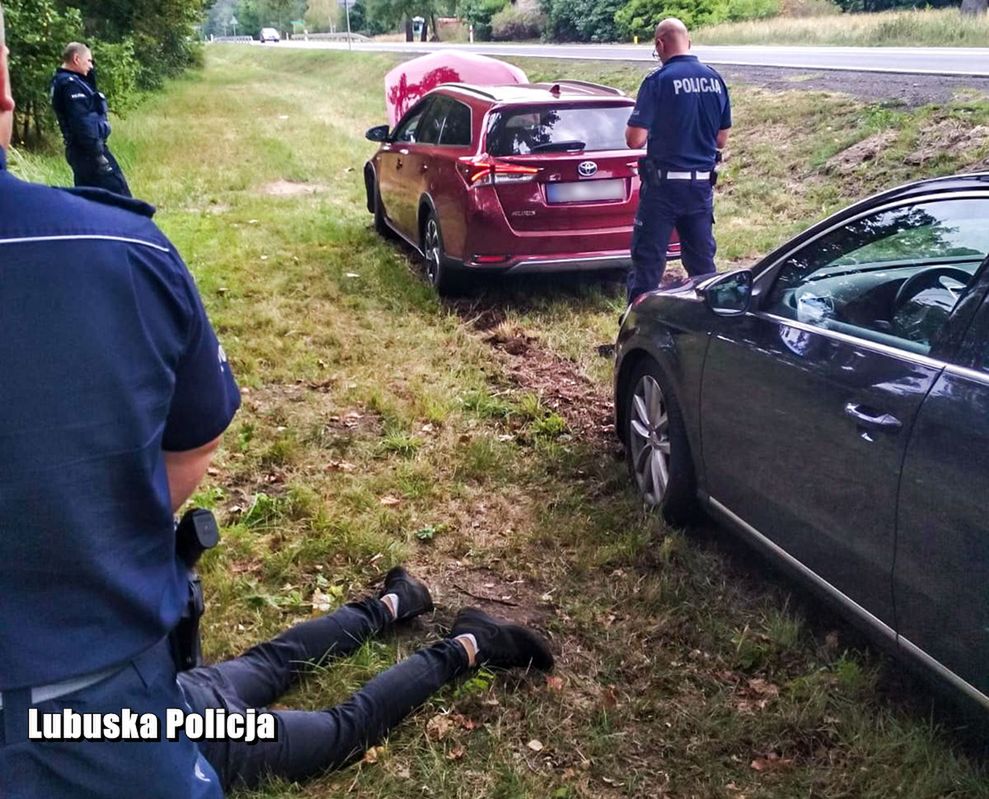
(502, 644)
(413, 596)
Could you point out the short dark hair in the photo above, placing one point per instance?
(72, 49)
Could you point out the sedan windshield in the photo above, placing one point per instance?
(521, 131)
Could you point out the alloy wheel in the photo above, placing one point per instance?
(649, 439)
(431, 250)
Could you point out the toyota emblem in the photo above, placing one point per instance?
(587, 168)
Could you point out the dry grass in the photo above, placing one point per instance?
(931, 27)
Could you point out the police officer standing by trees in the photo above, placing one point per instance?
(115, 392)
(81, 110)
(682, 116)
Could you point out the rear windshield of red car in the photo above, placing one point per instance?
(521, 131)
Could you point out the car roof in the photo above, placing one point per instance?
(537, 92)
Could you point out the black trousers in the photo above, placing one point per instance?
(312, 742)
(86, 172)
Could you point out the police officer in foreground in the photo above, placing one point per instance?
(682, 116)
(115, 393)
(81, 110)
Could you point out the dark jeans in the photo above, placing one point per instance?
(86, 172)
(79, 769)
(688, 206)
(311, 742)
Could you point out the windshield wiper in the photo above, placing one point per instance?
(560, 145)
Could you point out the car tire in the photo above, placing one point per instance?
(440, 274)
(657, 450)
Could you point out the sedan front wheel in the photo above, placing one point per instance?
(656, 445)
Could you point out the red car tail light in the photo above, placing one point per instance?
(485, 171)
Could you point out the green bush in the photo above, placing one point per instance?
(37, 30)
(479, 13)
(581, 20)
(517, 24)
(640, 17)
(740, 10)
(118, 71)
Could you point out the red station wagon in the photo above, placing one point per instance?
(518, 179)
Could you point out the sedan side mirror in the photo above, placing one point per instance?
(728, 295)
(377, 133)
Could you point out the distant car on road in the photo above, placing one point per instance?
(832, 405)
(269, 35)
(531, 178)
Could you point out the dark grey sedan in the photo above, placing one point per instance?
(832, 405)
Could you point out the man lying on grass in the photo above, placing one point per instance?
(307, 743)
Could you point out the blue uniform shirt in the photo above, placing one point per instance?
(81, 112)
(108, 358)
(683, 105)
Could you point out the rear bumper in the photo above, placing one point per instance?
(564, 262)
(588, 263)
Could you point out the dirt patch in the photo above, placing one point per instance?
(557, 381)
(849, 160)
(456, 584)
(954, 138)
(288, 188)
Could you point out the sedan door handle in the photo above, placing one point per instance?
(869, 418)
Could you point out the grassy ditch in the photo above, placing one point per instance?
(928, 27)
(381, 426)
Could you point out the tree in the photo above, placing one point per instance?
(161, 30)
(321, 14)
(37, 30)
(974, 7)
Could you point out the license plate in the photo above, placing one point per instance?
(586, 191)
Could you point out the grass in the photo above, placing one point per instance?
(378, 428)
(929, 27)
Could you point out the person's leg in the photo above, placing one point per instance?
(266, 671)
(114, 180)
(650, 239)
(263, 673)
(695, 224)
(311, 742)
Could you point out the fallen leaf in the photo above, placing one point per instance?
(456, 753)
(371, 755)
(555, 684)
(340, 466)
(535, 745)
(320, 602)
(390, 500)
(438, 727)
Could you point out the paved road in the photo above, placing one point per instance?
(969, 61)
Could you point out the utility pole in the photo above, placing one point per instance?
(350, 42)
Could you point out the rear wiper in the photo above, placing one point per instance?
(560, 145)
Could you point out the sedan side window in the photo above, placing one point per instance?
(893, 276)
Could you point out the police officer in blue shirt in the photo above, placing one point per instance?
(81, 110)
(114, 393)
(682, 116)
